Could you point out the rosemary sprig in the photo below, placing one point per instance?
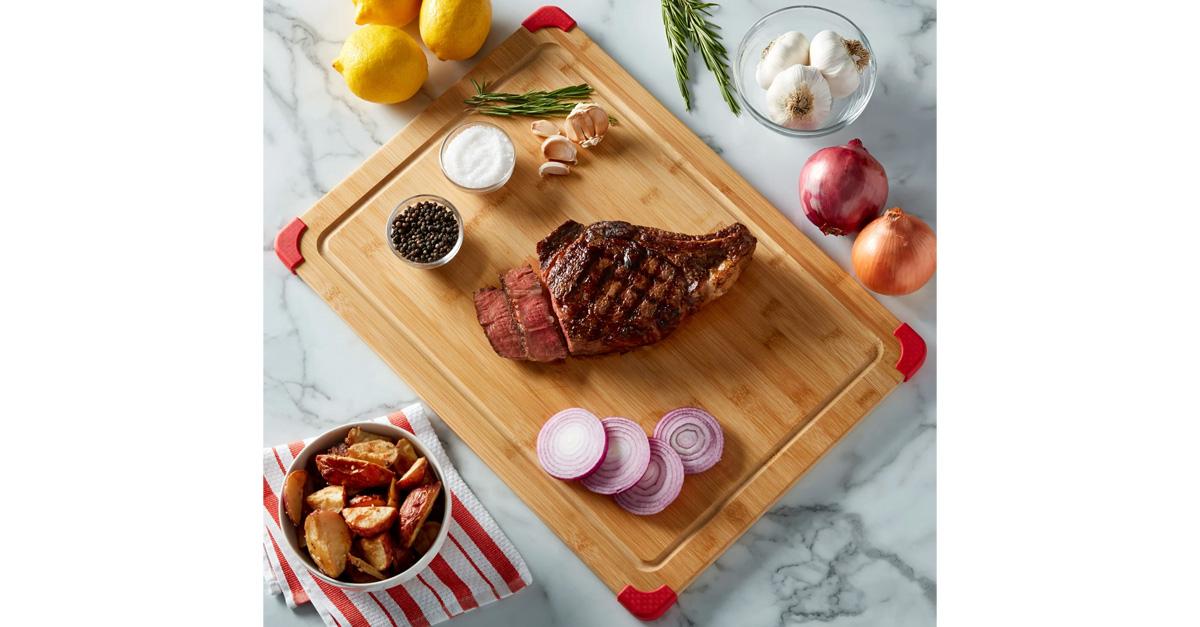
(558, 102)
(688, 21)
(677, 40)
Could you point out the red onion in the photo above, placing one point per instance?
(659, 485)
(695, 435)
(627, 458)
(571, 444)
(842, 188)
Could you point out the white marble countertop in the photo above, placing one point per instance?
(853, 543)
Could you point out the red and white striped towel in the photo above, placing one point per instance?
(477, 565)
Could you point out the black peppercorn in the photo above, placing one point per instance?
(424, 232)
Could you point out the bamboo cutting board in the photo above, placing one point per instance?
(789, 360)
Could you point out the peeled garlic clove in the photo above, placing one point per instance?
(559, 148)
(586, 124)
(840, 60)
(786, 50)
(554, 168)
(799, 98)
(543, 128)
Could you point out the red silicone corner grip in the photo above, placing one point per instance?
(647, 605)
(548, 16)
(287, 244)
(912, 351)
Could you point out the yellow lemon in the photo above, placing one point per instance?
(382, 64)
(455, 29)
(387, 12)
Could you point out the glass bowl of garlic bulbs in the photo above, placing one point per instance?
(805, 71)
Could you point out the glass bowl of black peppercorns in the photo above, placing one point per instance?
(425, 231)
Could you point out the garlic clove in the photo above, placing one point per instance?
(799, 98)
(786, 50)
(573, 129)
(585, 121)
(543, 128)
(599, 120)
(559, 148)
(554, 168)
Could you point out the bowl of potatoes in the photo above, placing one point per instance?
(364, 506)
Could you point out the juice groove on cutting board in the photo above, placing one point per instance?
(789, 360)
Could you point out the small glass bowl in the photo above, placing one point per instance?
(809, 20)
(476, 190)
(408, 202)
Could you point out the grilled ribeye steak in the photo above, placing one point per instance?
(612, 286)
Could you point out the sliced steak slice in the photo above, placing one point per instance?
(496, 318)
(534, 315)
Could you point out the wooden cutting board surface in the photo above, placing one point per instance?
(788, 360)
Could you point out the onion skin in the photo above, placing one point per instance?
(896, 254)
(842, 188)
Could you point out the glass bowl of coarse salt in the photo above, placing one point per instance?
(478, 157)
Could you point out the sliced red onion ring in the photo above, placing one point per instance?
(626, 460)
(695, 435)
(659, 485)
(571, 444)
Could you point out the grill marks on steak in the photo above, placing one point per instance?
(531, 304)
(614, 286)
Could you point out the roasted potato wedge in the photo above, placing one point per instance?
(426, 536)
(366, 567)
(338, 449)
(407, 456)
(329, 498)
(415, 510)
(351, 472)
(379, 550)
(357, 435)
(415, 475)
(328, 541)
(369, 521)
(293, 495)
(380, 452)
(367, 500)
(393, 495)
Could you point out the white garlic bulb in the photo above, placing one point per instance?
(840, 60)
(786, 50)
(799, 98)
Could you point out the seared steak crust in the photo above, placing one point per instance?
(614, 286)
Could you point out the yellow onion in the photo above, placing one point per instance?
(895, 254)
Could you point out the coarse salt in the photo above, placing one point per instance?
(479, 157)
